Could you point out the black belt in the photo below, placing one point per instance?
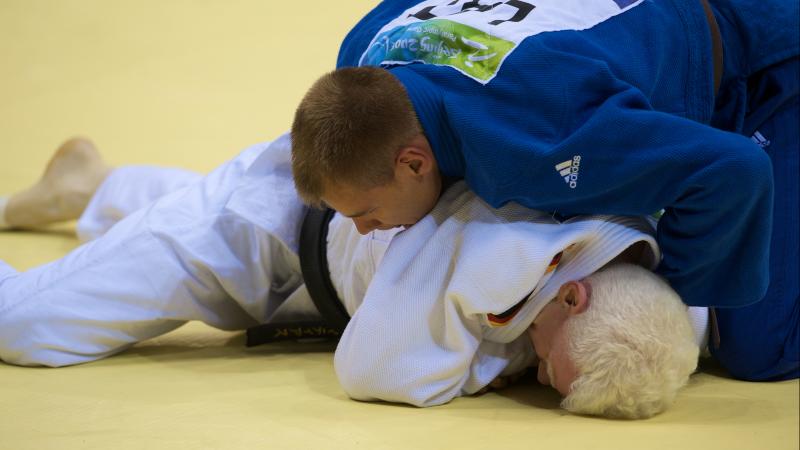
(716, 44)
(317, 278)
(314, 265)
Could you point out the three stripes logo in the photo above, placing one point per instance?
(569, 170)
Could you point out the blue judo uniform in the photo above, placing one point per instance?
(609, 106)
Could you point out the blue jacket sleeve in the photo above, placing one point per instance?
(716, 187)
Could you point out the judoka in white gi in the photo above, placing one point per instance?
(453, 308)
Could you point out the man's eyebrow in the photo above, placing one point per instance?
(324, 204)
(359, 214)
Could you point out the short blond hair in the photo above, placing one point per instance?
(633, 347)
(348, 129)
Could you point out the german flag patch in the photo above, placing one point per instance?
(499, 320)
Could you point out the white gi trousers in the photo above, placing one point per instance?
(221, 249)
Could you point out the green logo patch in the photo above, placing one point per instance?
(442, 42)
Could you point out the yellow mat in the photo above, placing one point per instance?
(188, 83)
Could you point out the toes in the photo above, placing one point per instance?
(78, 144)
(3, 223)
(77, 155)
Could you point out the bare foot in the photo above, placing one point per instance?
(72, 176)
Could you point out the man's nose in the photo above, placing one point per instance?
(541, 374)
(364, 226)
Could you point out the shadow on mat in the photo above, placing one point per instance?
(527, 391)
(217, 346)
(60, 231)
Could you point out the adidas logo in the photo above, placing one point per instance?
(759, 139)
(569, 170)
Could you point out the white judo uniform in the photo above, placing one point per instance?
(438, 313)
(448, 309)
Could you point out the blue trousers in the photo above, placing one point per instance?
(762, 341)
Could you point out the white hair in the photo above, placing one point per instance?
(633, 347)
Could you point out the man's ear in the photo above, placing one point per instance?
(416, 158)
(575, 295)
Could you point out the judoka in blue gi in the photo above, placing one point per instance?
(689, 107)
